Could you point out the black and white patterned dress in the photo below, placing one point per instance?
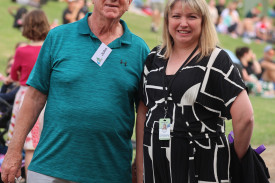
(199, 101)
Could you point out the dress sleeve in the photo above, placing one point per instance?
(147, 67)
(144, 52)
(221, 85)
(40, 75)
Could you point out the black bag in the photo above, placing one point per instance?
(250, 169)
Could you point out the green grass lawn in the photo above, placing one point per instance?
(264, 128)
(264, 109)
(138, 24)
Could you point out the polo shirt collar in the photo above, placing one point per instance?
(83, 27)
(126, 38)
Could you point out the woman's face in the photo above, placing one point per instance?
(184, 25)
(111, 9)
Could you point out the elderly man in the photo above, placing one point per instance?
(88, 72)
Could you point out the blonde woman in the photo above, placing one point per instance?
(190, 86)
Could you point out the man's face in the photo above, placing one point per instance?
(271, 53)
(111, 9)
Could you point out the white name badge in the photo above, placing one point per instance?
(101, 54)
(164, 129)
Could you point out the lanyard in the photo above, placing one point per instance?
(166, 92)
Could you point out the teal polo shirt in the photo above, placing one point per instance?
(89, 116)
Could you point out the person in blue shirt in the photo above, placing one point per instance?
(88, 72)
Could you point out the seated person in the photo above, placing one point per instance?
(75, 11)
(220, 7)
(250, 68)
(18, 14)
(84, 9)
(249, 22)
(268, 66)
(213, 11)
(271, 12)
(229, 20)
(9, 88)
(264, 29)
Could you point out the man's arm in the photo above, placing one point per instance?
(141, 117)
(268, 65)
(33, 103)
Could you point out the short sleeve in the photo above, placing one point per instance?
(147, 68)
(144, 52)
(40, 75)
(221, 85)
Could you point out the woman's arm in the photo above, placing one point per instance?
(243, 122)
(141, 117)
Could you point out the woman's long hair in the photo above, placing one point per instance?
(208, 39)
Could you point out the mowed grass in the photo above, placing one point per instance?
(264, 116)
(264, 109)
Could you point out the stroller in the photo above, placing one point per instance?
(7, 96)
(5, 117)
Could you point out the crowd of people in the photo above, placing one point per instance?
(255, 26)
(76, 88)
(258, 74)
(153, 8)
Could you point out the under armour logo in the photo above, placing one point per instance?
(121, 62)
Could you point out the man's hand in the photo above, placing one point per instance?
(11, 167)
(134, 172)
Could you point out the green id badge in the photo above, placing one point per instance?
(164, 129)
